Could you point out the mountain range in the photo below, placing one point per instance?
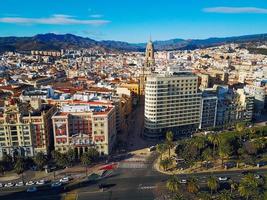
(52, 41)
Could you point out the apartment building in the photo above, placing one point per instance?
(209, 103)
(172, 102)
(85, 126)
(26, 129)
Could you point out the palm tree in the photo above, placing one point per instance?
(165, 163)
(213, 184)
(173, 185)
(225, 150)
(199, 142)
(240, 127)
(192, 185)
(169, 141)
(225, 195)
(215, 139)
(252, 132)
(161, 148)
(248, 186)
(233, 185)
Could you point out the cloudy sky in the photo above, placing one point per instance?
(134, 20)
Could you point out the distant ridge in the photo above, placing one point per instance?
(51, 41)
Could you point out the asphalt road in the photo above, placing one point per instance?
(123, 184)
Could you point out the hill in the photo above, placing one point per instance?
(52, 41)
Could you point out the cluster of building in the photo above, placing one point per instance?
(79, 99)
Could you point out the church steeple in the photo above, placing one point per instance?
(150, 60)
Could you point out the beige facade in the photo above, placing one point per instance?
(23, 133)
(172, 102)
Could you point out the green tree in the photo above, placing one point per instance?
(60, 159)
(173, 185)
(161, 148)
(214, 139)
(199, 142)
(40, 160)
(165, 163)
(225, 195)
(192, 185)
(71, 157)
(213, 184)
(233, 186)
(252, 133)
(169, 141)
(248, 186)
(7, 161)
(225, 150)
(2, 167)
(20, 166)
(93, 153)
(207, 154)
(240, 128)
(86, 160)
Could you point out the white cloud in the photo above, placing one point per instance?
(96, 16)
(236, 10)
(57, 19)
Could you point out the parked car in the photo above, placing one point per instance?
(152, 148)
(29, 183)
(223, 178)
(64, 179)
(9, 184)
(32, 189)
(56, 184)
(183, 181)
(40, 182)
(1, 185)
(19, 184)
(261, 163)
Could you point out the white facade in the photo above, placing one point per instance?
(172, 102)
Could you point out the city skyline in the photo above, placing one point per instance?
(134, 21)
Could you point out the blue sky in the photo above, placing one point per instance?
(134, 20)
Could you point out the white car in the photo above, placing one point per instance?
(30, 183)
(32, 189)
(40, 182)
(223, 178)
(19, 184)
(64, 180)
(1, 185)
(257, 176)
(9, 184)
(152, 148)
(56, 184)
(183, 181)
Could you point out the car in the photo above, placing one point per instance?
(64, 179)
(56, 184)
(223, 178)
(152, 148)
(29, 183)
(9, 184)
(183, 181)
(32, 189)
(19, 184)
(40, 182)
(1, 185)
(257, 176)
